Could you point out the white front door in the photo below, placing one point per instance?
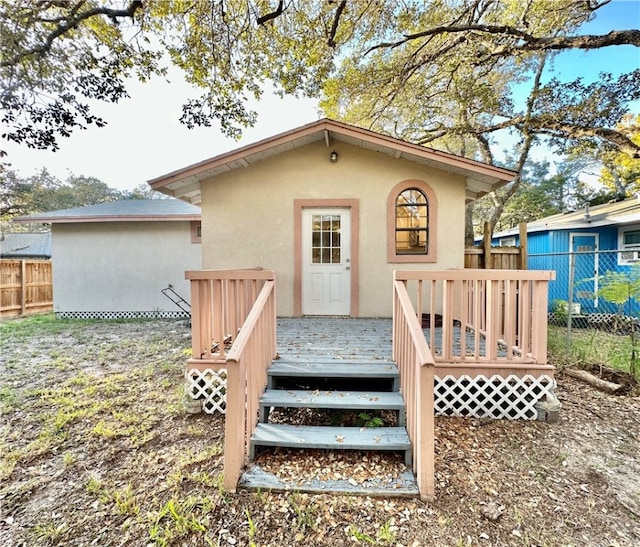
(326, 261)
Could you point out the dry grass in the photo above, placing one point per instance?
(95, 449)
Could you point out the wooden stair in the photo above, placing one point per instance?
(343, 386)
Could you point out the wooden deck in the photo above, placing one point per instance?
(337, 339)
(485, 356)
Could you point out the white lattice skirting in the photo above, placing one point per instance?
(511, 397)
(109, 315)
(210, 386)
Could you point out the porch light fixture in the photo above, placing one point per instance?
(333, 158)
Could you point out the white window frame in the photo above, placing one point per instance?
(623, 256)
(508, 242)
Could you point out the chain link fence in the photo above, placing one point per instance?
(594, 307)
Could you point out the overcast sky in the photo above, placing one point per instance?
(144, 139)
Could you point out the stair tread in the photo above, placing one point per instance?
(357, 400)
(322, 437)
(402, 485)
(336, 369)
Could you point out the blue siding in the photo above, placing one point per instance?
(608, 238)
(543, 245)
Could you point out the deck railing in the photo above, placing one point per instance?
(247, 364)
(220, 303)
(234, 326)
(484, 316)
(415, 363)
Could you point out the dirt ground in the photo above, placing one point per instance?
(96, 449)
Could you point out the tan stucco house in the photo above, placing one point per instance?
(112, 260)
(334, 210)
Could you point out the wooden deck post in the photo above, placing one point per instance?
(425, 471)
(522, 227)
(235, 426)
(196, 320)
(539, 320)
(486, 245)
(23, 287)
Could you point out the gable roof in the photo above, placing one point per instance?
(26, 244)
(184, 183)
(130, 210)
(615, 213)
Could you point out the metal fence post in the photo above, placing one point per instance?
(572, 267)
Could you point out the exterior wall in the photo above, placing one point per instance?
(550, 251)
(121, 266)
(248, 216)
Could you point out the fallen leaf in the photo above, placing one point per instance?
(492, 510)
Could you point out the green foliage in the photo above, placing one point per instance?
(58, 56)
(354, 534)
(180, 518)
(539, 194)
(125, 501)
(588, 347)
(306, 512)
(438, 72)
(621, 173)
(47, 532)
(620, 287)
(367, 420)
(33, 325)
(386, 534)
(252, 528)
(560, 310)
(8, 399)
(43, 192)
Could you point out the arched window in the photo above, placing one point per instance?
(411, 223)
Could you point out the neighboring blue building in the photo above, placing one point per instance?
(582, 247)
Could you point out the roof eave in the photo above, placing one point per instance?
(184, 183)
(44, 219)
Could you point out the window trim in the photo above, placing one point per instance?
(195, 238)
(432, 236)
(622, 247)
(508, 242)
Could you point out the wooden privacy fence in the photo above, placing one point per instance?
(497, 258)
(26, 287)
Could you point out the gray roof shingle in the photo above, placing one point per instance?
(126, 210)
(26, 244)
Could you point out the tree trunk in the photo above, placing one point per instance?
(469, 236)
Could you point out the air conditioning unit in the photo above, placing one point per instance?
(630, 256)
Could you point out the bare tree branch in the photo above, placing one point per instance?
(72, 23)
(528, 140)
(336, 21)
(269, 16)
(528, 42)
